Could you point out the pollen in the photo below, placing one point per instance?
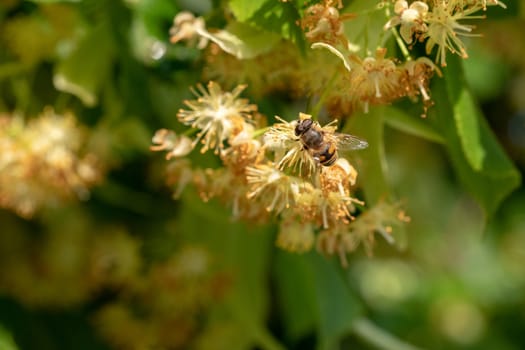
(289, 152)
(339, 177)
(217, 115)
(440, 24)
(273, 188)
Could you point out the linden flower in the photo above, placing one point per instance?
(324, 23)
(177, 293)
(323, 209)
(275, 189)
(410, 18)
(335, 183)
(375, 80)
(179, 174)
(372, 80)
(244, 151)
(343, 238)
(230, 189)
(280, 136)
(338, 177)
(482, 3)
(176, 145)
(340, 100)
(218, 115)
(42, 163)
(440, 25)
(114, 259)
(295, 235)
(276, 70)
(289, 152)
(336, 240)
(378, 219)
(419, 72)
(187, 27)
(329, 201)
(444, 28)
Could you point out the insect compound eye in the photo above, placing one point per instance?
(303, 126)
(307, 123)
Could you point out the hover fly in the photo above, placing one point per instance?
(324, 145)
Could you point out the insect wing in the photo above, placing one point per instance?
(349, 142)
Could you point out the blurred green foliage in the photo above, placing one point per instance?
(129, 267)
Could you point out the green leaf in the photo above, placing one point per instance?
(242, 40)
(338, 307)
(131, 135)
(413, 125)
(274, 16)
(245, 253)
(486, 72)
(243, 10)
(366, 29)
(480, 162)
(296, 294)
(6, 340)
(378, 337)
(155, 14)
(95, 52)
(53, 1)
(248, 251)
(371, 162)
(466, 115)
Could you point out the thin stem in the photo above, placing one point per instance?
(260, 132)
(401, 44)
(328, 88)
(378, 337)
(190, 132)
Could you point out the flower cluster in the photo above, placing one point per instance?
(369, 80)
(364, 82)
(279, 70)
(68, 266)
(44, 162)
(368, 76)
(438, 22)
(381, 218)
(323, 22)
(378, 80)
(374, 79)
(175, 297)
(270, 171)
